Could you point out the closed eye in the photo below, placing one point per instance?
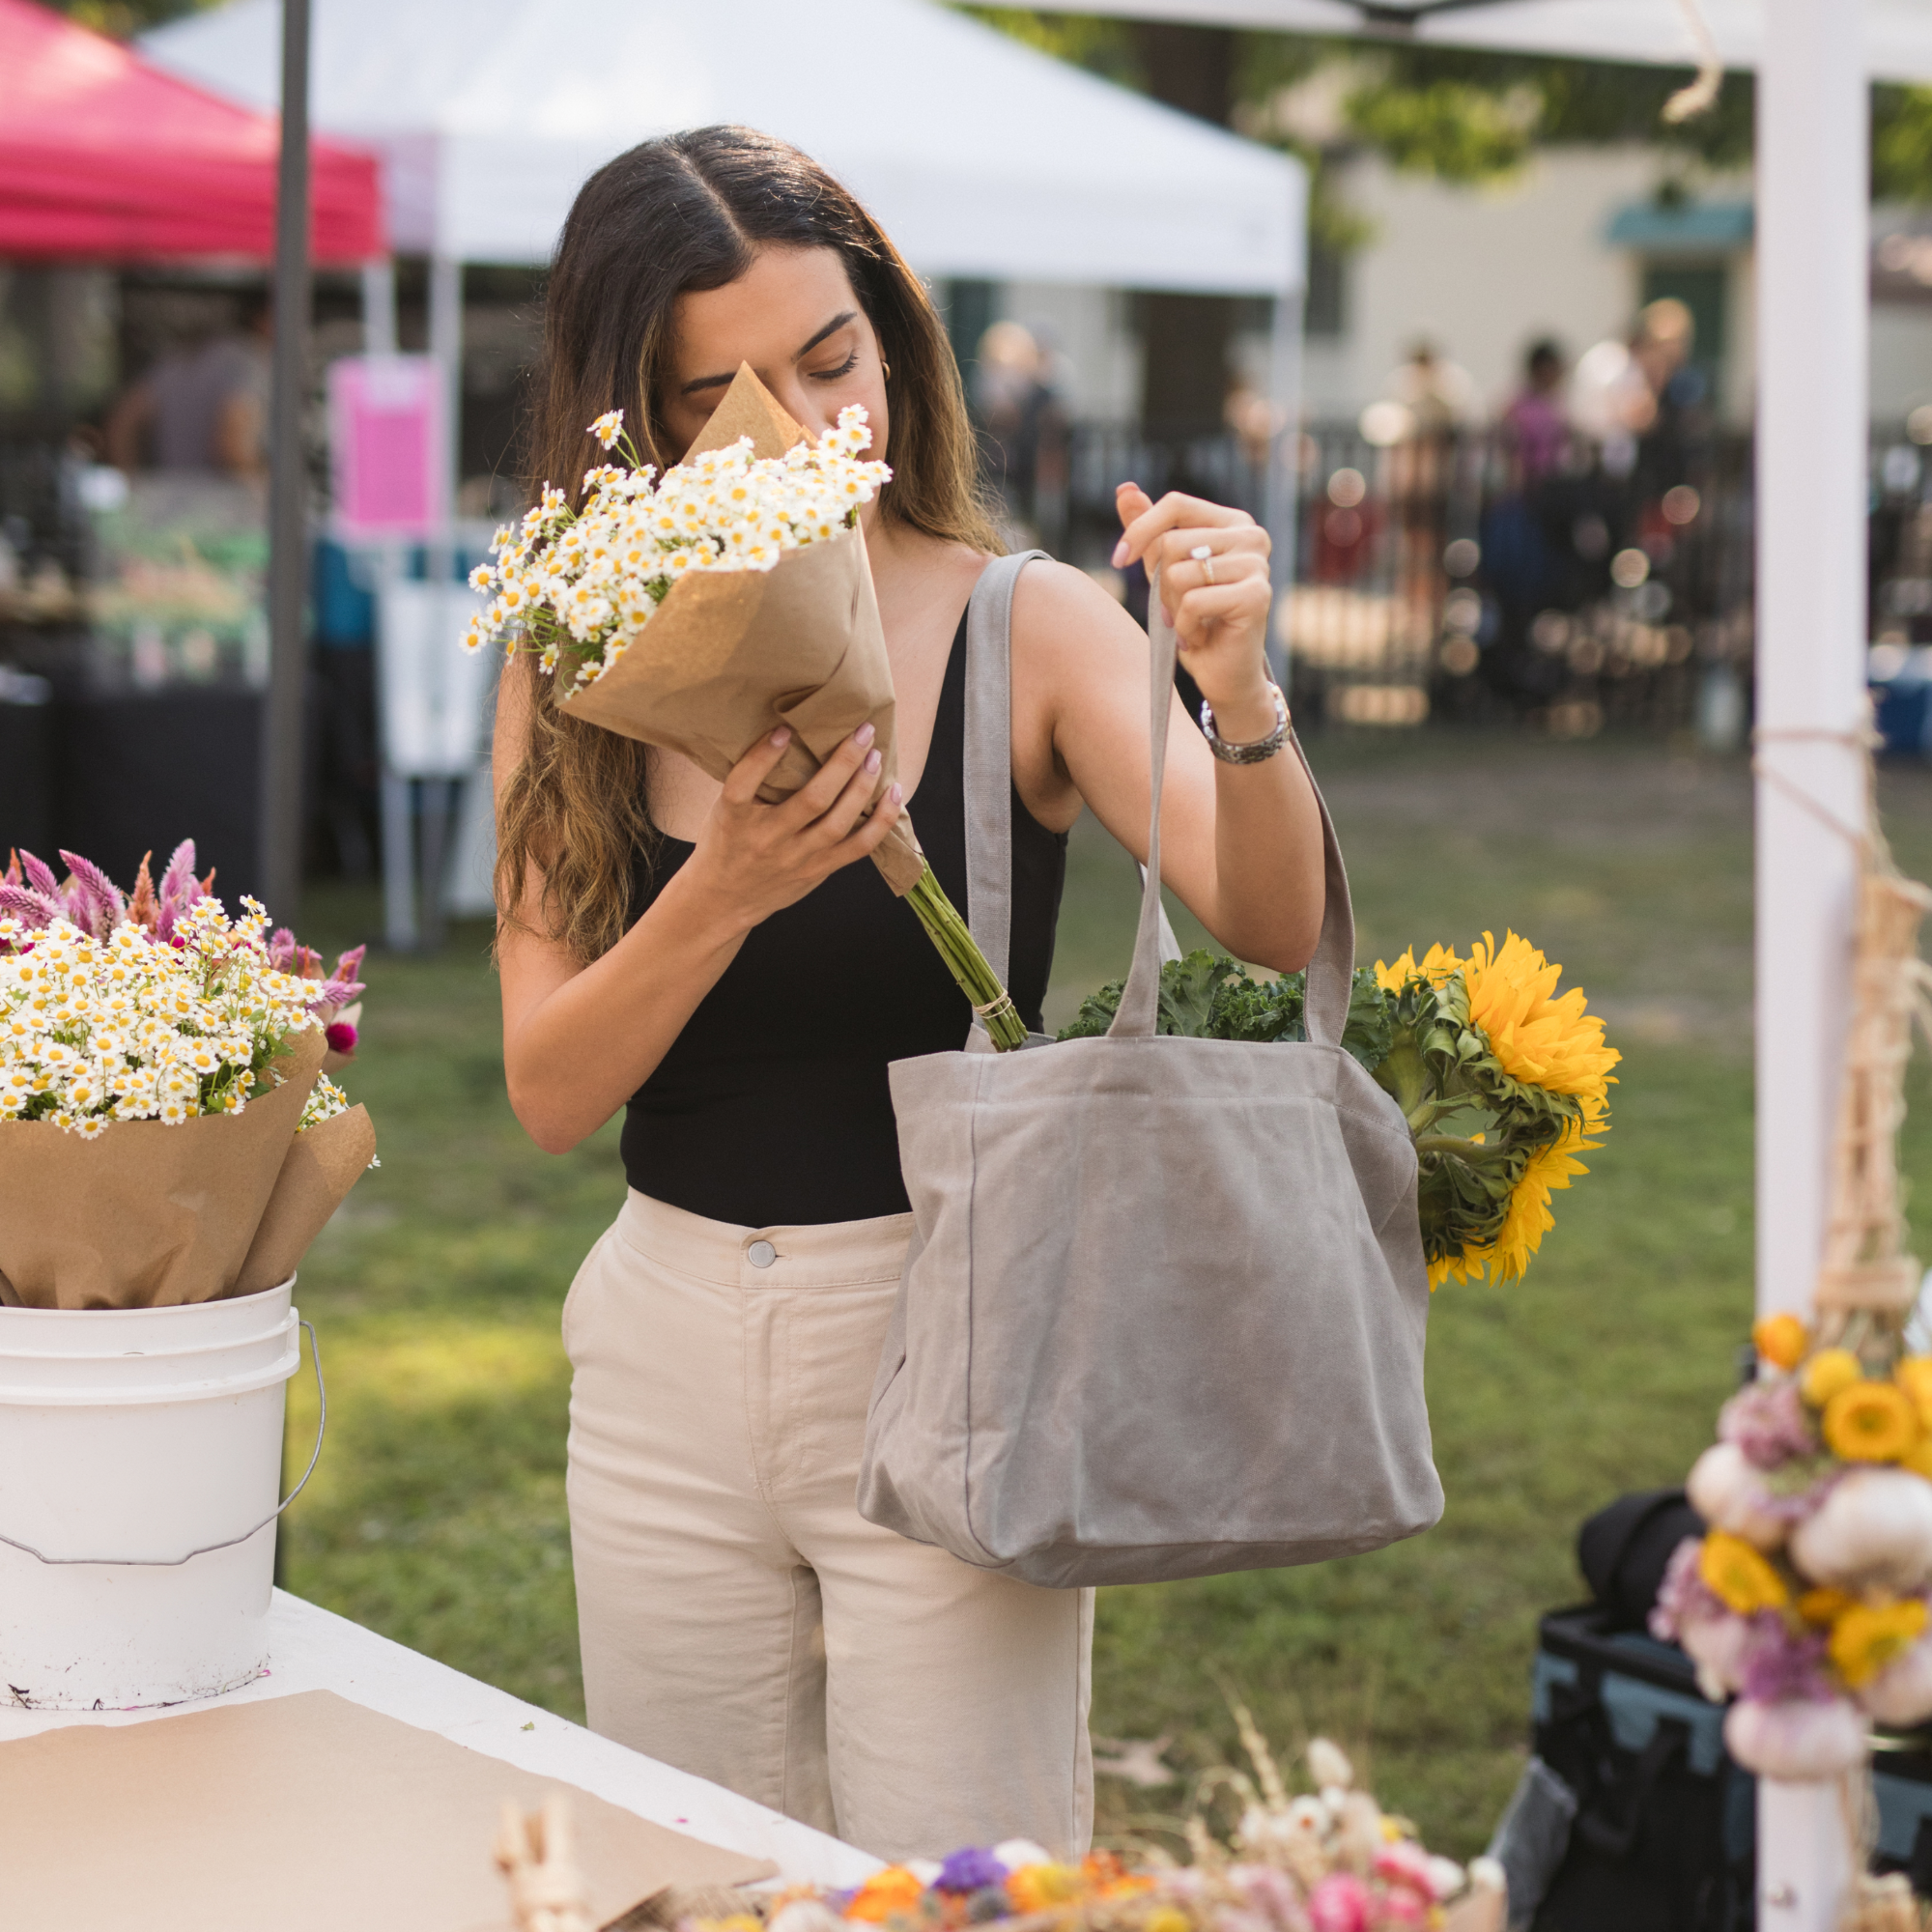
(844, 368)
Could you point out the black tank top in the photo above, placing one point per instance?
(772, 1107)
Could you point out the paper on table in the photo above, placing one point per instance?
(304, 1813)
(730, 655)
(146, 1215)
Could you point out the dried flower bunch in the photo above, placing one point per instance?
(1327, 1860)
(97, 1028)
(579, 585)
(1808, 1596)
(1503, 1081)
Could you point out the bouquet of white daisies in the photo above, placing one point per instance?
(701, 608)
(166, 1131)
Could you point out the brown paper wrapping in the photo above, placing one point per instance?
(319, 1168)
(150, 1217)
(730, 655)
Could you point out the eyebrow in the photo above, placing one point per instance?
(832, 328)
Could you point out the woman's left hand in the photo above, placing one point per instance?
(1218, 604)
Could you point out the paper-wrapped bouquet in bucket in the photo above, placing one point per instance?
(167, 1134)
(701, 610)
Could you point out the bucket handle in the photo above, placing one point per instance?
(227, 1543)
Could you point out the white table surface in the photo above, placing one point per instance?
(311, 1649)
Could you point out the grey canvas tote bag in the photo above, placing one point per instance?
(1164, 1306)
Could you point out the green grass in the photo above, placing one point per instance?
(436, 1515)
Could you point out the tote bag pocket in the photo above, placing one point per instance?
(1164, 1311)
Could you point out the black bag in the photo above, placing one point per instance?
(1663, 1834)
(1624, 1549)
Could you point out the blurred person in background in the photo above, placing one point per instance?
(1535, 423)
(1018, 402)
(1438, 401)
(203, 408)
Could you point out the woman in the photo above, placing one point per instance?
(732, 974)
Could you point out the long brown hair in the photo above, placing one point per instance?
(689, 213)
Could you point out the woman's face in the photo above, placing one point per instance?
(793, 317)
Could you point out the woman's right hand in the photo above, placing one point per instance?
(753, 859)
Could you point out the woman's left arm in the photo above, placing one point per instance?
(1241, 844)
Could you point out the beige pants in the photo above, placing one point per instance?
(739, 1618)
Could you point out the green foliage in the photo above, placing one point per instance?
(123, 19)
(1902, 144)
(1205, 995)
(1450, 129)
(1102, 47)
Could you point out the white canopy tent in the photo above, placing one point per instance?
(980, 157)
(1896, 34)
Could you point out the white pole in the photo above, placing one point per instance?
(1812, 160)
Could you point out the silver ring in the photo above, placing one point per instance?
(1204, 555)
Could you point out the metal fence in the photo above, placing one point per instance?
(1435, 578)
(1441, 576)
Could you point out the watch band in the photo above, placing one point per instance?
(1257, 749)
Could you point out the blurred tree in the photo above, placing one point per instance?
(123, 19)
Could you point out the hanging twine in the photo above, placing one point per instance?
(1701, 94)
(538, 1855)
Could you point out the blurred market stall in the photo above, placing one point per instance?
(134, 706)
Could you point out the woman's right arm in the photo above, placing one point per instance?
(579, 1039)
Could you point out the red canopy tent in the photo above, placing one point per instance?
(103, 156)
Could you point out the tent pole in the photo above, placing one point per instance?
(1812, 320)
(281, 823)
(1284, 473)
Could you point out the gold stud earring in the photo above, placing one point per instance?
(887, 367)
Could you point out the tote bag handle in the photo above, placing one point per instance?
(1332, 967)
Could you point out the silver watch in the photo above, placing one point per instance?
(1257, 749)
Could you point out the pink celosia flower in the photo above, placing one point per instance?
(1768, 1422)
(1339, 1903)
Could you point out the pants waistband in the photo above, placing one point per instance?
(828, 1254)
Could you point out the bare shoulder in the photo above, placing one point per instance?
(1062, 618)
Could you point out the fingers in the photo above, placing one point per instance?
(1224, 568)
(872, 835)
(741, 786)
(855, 760)
(1130, 501)
(1200, 612)
(1174, 512)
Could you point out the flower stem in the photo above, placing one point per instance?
(966, 962)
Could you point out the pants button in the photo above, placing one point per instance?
(761, 1254)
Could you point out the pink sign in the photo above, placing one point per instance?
(386, 455)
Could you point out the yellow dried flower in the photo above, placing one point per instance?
(1864, 1639)
(1870, 1422)
(1827, 1372)
(1780, 1340)
(1739, 1575)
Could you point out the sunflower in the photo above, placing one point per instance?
(1539, 1038)
(1870, 1422)
(1737, 1574)
(1865, 1640)
(1527, 1218)
(1437, 963)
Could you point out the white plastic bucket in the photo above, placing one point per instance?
(128, 1438)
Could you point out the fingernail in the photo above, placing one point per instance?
(1121, 553)
(897, 794)
(872, 760)
(863, 735)
(782, 736)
